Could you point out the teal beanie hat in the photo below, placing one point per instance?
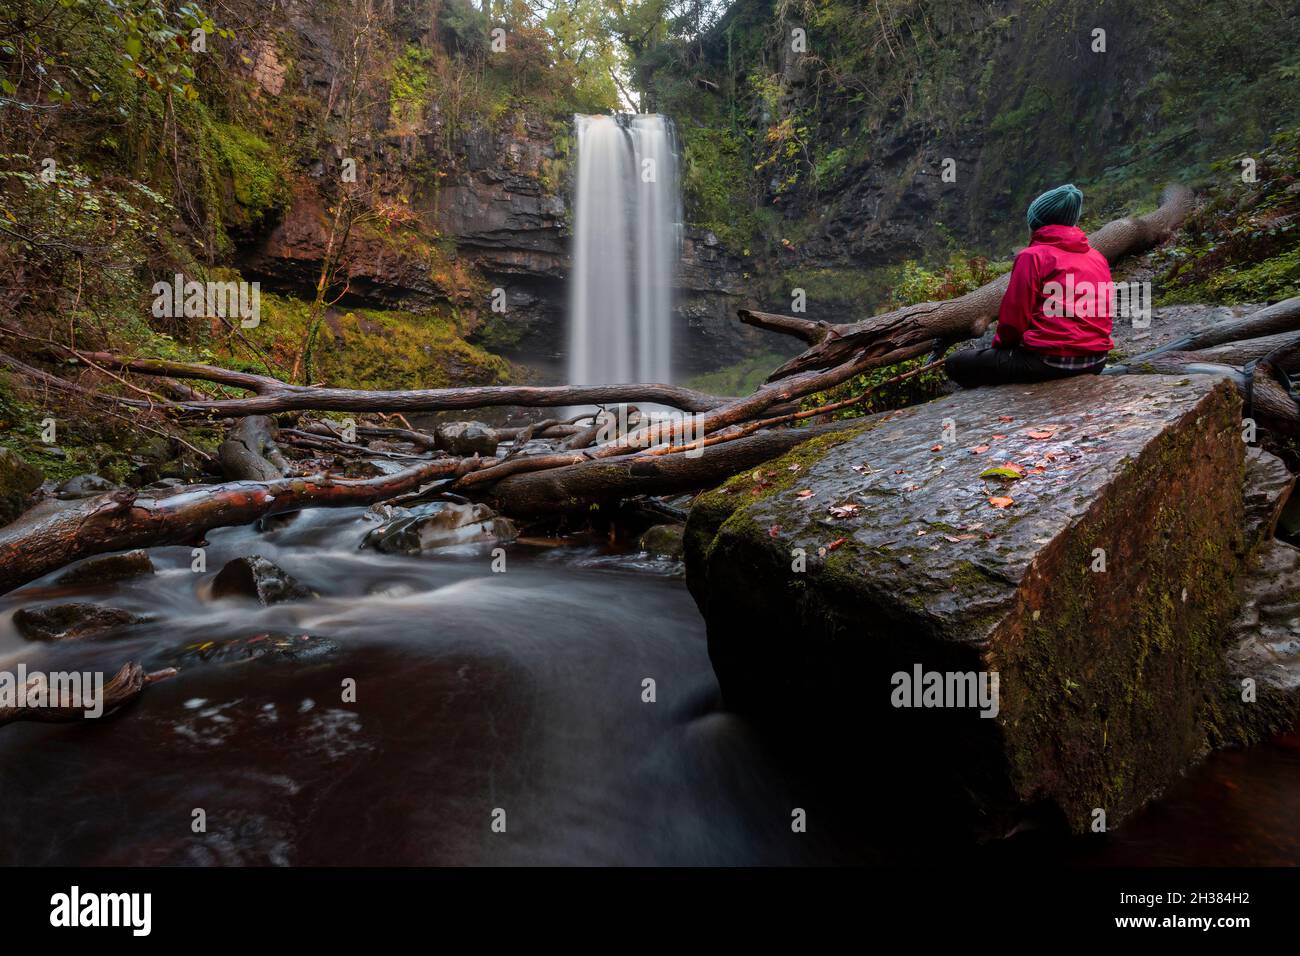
(1061, 206)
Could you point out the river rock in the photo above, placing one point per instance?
(664, 540)
(68, 622)
(1262, 696)
(463, 439)
(829, 577)
(440, 524)
(268, 648)
(107, 569)
(18, 479)
(84, 486)
(257, 578)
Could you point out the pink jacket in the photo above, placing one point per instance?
(1060, 299)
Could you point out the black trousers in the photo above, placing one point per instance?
(971, 368)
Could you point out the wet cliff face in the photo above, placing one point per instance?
(499, 217)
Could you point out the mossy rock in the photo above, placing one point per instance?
(18, 479)
(837, 568)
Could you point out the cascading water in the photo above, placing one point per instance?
(627, 229)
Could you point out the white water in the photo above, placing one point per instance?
(626, 243)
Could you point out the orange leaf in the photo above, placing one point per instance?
(1001, 502)
(1040, 433)
(979, 449)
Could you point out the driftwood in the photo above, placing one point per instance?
(588, 462)
(580, 486)
(44, 540)
(967, 316)
(118, 691)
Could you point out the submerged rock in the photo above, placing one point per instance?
(1082, 540)
(664, 540)
(463, 439)
(69, 622)
(268, 648)
(440, 524)
(18, 479)
(107, 569)
(257, 578)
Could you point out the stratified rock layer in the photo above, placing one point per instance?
(915, 557)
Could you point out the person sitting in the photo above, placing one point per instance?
(1055, 318)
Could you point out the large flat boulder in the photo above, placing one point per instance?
(1082, 540)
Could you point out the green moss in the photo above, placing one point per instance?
(742, 378)
(256, 173)
(410, 89)
(377, 349)
(1084, 711)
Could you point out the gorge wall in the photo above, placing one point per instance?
(820, 168)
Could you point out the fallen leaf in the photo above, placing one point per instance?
(795, 466)
(1005, 418)
(835, 544)
(1040, 433)
(998, 437)
(937, 448)
(1003, 471)
(979, 449)
(773, 531)
(807, 493)
(1001, 502)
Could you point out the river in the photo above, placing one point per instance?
(479, 692)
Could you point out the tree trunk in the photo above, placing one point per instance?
(47, 538)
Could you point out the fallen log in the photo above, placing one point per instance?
(44, 540)
(577, 487)
(122, 688)
(969, 315)
(271, 396)
(1279, 317)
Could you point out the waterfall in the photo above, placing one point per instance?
(626, 243)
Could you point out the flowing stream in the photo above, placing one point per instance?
(626, 243)
(478, 691)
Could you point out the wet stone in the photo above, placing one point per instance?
(69, 622)
(257, 578)
(664, 540)
(439, 524)
(267, 648)
(84, 486)
(463, 439)
(107, 569)
(824, 575)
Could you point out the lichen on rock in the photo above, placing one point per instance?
(1099, 585)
